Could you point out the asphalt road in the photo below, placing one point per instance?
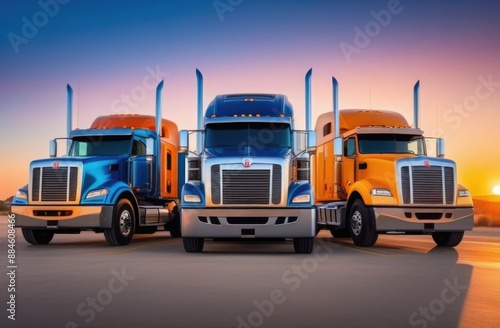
(403, 281)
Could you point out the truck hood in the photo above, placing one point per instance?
(247, 151)
(64, 161)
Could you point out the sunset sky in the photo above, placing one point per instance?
(112, 53)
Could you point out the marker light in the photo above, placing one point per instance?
(301, 199)
(21, 195)
(97, 193)
(192, 199)
(463, 193)
(381, 192)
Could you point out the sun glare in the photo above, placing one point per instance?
(496, 190)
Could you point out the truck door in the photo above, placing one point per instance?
(348, 171)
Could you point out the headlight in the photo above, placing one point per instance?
(97, 193)
(463, 193)
(302, 199)
(21, 195)
(192, 199)
(381, 192)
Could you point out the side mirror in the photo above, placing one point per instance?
(53, 148)
(184, 141)
(440, 147)
(338, 146)
(150, 147)
(311, 141)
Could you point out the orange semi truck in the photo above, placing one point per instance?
(373, 176)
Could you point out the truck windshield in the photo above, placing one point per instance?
(391, 143)
(100, 145)
(248, 134)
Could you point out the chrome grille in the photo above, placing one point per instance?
(215, 181)
(54, 185)
(276, 199)
(427, 185)
(449, 184)
(245, 186)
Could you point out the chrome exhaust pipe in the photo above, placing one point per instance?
(159, 89)
(308, 99)
(416, 101)
(69, 113)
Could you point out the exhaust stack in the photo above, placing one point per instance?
(159, 89)
(199, 109)
(69, 113)
(336, 115)
(199, 97)
(308, 99)
(416, 96)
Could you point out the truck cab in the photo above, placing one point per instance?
(118, 177)
(374, 176)
(247, 178)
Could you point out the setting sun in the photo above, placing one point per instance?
(496, 190)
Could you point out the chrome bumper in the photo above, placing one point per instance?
(395, 219)
(83, 217)
(248, 223)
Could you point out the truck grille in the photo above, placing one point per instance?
(427, 185)
(54, 185)
(246, 187)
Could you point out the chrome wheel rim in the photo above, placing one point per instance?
(356, 220)
(125, 223)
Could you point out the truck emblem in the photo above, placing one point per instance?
(55, 165)
(247, 162)
(427, 164)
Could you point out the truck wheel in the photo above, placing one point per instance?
(340, 233)
(175, 232)
(193, 244)
(122, 225)
(361, 225)
(175, 227)
(447, 239)
(303, 245)
(37, 237)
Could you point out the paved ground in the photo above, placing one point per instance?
(403, 281)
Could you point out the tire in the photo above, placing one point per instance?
(447, 239)
(175, 233)
(175, 227)
(340, 233)
(193, 244)
(37, 237)
(122, 226)
(361, 225)
(303, 245)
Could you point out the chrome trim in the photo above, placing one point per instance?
(303, 226)
(39, 184)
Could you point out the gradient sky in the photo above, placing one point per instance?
(110, 51)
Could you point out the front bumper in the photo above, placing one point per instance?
(74, 217)
(248, 223)
(405, 219)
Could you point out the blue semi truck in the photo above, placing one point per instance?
(249, 174)
(119, 177)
